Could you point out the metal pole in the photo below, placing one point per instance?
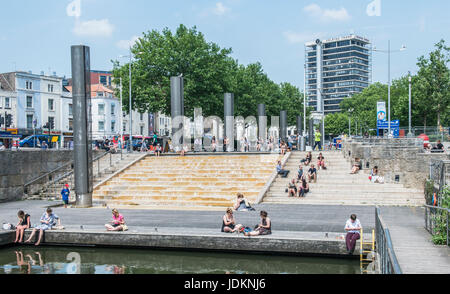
(389, 88)
(130, 139)
(409, 78)
(304, 105)
(121, 115)
(80, 56)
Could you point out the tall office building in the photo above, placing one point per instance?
(336, 69)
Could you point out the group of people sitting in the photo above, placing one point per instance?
(229, 225)
(299, 187)
(374, 176)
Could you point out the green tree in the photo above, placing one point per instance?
(434, 83)
(336, 124)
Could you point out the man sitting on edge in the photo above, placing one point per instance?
(353, 228)
(281, 171)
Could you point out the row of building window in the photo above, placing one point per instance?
(6, 104)
(345, 43)
(346, 72)
(343, 55)
(346, 78)
(346, 66)
(347, 60)
(345, 49)
(344, 84)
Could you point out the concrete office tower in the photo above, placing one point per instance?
(283, 125)
(82, 128)
(262, 122)
(177, 110)
(229, 120)
(336, 69)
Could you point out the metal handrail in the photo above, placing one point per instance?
(388, 260)
(430, 221)
(63, 167)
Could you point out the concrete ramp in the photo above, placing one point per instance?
(191, 182)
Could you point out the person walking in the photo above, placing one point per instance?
(317, 138)
(353, 228)
(65, 193)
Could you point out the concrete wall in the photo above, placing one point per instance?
(408, 162)
(19, 168)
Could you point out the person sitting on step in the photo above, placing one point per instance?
(24, 223)
(292, 189)
(281, 171)
(303, 188)
(353, 229)
(312, 174)
(229, 223)
(308, 159)
(242, 204)
(48, 221)
(357, 166)
(321, 162)
(264, 228)
(300, 173)
(374, 176)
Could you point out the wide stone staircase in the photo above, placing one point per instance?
(191, 182)
(336, 186)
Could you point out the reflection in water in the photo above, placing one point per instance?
(57, 260)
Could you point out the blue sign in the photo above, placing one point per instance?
(384, 125)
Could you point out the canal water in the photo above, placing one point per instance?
(58, 260)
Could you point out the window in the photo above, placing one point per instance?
(113, 126)
(101, 109)
(29, 101)
(103, 80)
(29, 85)
(29, 121)
(51, 121)
(141, 116)
(142, 130)
(50, 88)
(7, 102)
(1, 105)
(70, 110)
(50, 105)
(101, 126)
(113, 109)
(124, 127)
(70, 124)
(99, 94)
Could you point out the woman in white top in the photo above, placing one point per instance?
(353, 229)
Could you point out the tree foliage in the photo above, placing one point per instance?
(208, 70)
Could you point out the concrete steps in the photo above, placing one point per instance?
(188, 182)
(336, 186)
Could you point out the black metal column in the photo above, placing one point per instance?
(283, 125)
(229, 120)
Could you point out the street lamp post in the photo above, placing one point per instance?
(389, 51)
(410, 80)
(350, 122)
(130, 139)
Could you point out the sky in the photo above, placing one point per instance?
(36, 35)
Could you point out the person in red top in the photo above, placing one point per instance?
(118, 222)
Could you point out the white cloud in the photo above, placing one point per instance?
(296, 38)
(94, 28)
(220, 9)
(126, 44)
(326, 15)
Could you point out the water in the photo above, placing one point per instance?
(58, 260)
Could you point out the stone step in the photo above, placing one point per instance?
(352, 189)
(321, 194)
(117, 184)
(350, 202)
(123, 194)
(169, 202)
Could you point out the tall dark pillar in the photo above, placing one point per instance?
(283, 125)
(177, 109)
(229, 120)
(262, 122)
(299, 125)
(311, 132)
(81, 94)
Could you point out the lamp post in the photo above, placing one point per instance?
(304, 105)
(389, 51)
(350, 111)
(130, 149)
(410, 80)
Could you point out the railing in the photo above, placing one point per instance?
(440, 176)
(388, 260)
(436, 222)
(66, 171)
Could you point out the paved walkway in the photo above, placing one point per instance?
(413, 247)
(296, 218)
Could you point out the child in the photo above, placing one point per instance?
(65, 193)
(24, 223)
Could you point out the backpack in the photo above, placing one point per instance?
(8, 227)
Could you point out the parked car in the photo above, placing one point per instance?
(35, 141)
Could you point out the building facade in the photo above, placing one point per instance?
(8, 101)
(336, 69)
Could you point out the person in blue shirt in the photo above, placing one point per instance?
(65, 193)
(281, 171)
(48, 221)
